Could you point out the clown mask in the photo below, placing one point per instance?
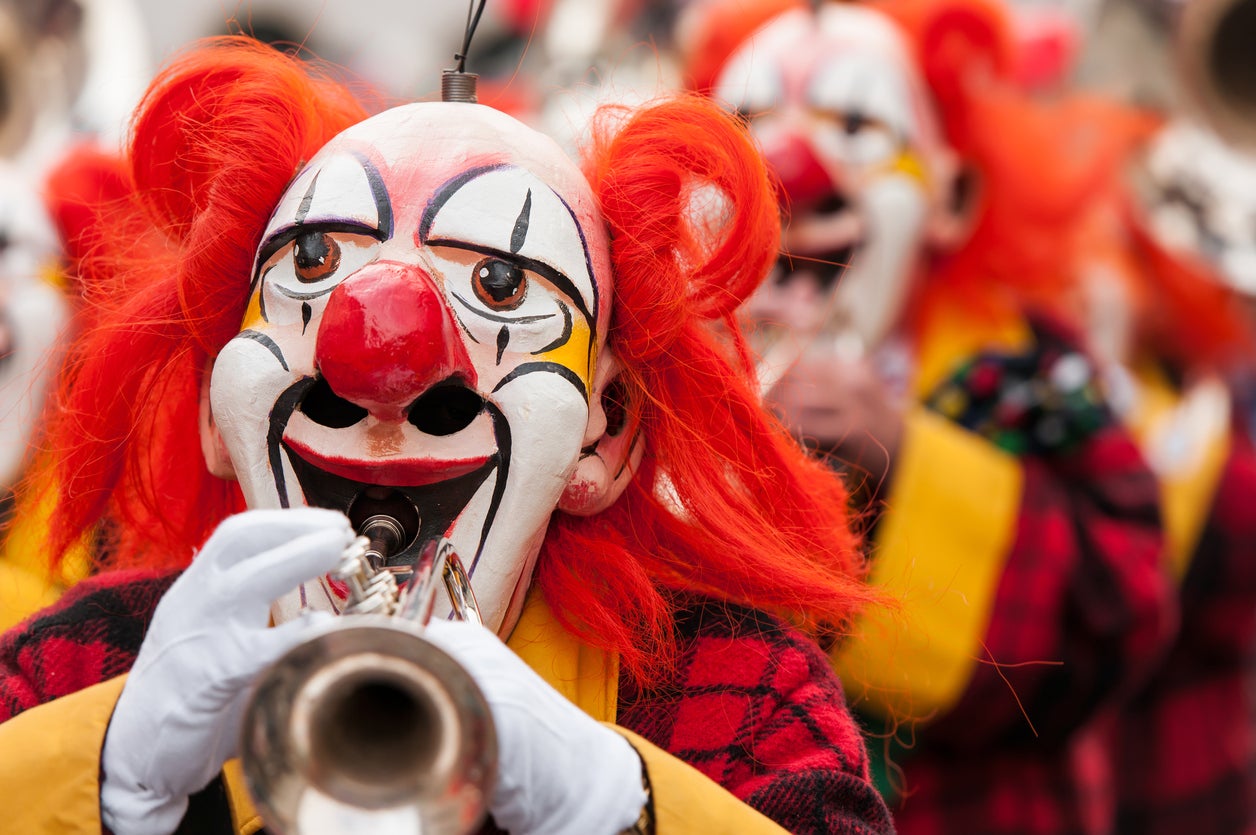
(428, 309)
(845, 122)
(32, 316)
(1197, 196)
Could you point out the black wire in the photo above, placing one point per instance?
(472, 23)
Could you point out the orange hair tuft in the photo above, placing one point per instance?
(726, 502)
(213, 144)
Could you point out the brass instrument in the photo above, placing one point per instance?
(368, 727)
(1217, 63)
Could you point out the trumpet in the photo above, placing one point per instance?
(368, 727)
(1217, 65)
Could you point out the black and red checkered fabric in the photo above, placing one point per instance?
(90, 635)
(1082, 613)
(752, 704)
(1186, 745)
(755, 707)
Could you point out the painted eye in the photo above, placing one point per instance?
(315, 255)
(499, 284)
(752, 83)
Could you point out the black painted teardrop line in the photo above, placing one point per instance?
(503, 339)
(520, 232)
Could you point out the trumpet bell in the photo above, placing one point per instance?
(369, 728)
(1217, 61)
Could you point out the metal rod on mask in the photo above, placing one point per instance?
(373, 587)
(472, 22)
(458, 85)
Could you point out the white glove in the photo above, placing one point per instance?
(178, 718)
(560, 772)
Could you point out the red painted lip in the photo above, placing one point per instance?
(403, 472)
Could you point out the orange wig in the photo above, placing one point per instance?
(745, 516)
(214, 143)
(1191, 317)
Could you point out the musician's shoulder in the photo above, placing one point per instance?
(110, 595)
(92, 634)
(700, 619)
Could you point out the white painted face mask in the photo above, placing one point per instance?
(428, 305)
(1197, 196)
(845, 121)
(33, 314)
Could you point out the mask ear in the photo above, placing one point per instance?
(953, 214)
(217, 460)
(611, 452)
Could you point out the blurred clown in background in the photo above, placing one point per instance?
(915, 333)
(70, 70)
(1168, 285)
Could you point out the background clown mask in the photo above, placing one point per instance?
(32, 315)
(1197, 196)
(847, 125)
(428, 307)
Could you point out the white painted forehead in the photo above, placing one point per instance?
(804, 38)
(750, 73)
(445, 133)
(456, 173)
(864, 29)
(868, 68)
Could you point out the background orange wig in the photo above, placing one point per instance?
(1035, 165)
(1030, 166)
(1191, 318)
(214, 143)
(747, 517)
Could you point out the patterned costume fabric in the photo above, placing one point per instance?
(1186, 744)
(754, 707)
(92, 634)
(751, 703)
(1079, 618)
(1037, 403)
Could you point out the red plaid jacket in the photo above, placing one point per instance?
(1082, 613)
(1185, 748)
(752, 704)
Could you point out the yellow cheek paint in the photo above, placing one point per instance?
(52, 273)
(575, 354)
(253, 313)
(909, 164)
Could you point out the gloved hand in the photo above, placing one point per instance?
(178, 718)
(560, 772)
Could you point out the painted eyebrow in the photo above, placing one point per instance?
(286, 234)
(379, 195)
(562, 282)
(448, 190)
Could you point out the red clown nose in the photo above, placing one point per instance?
(800, 176)
(386, 337)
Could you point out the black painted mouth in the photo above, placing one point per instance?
(828, 266)
(425, 513)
